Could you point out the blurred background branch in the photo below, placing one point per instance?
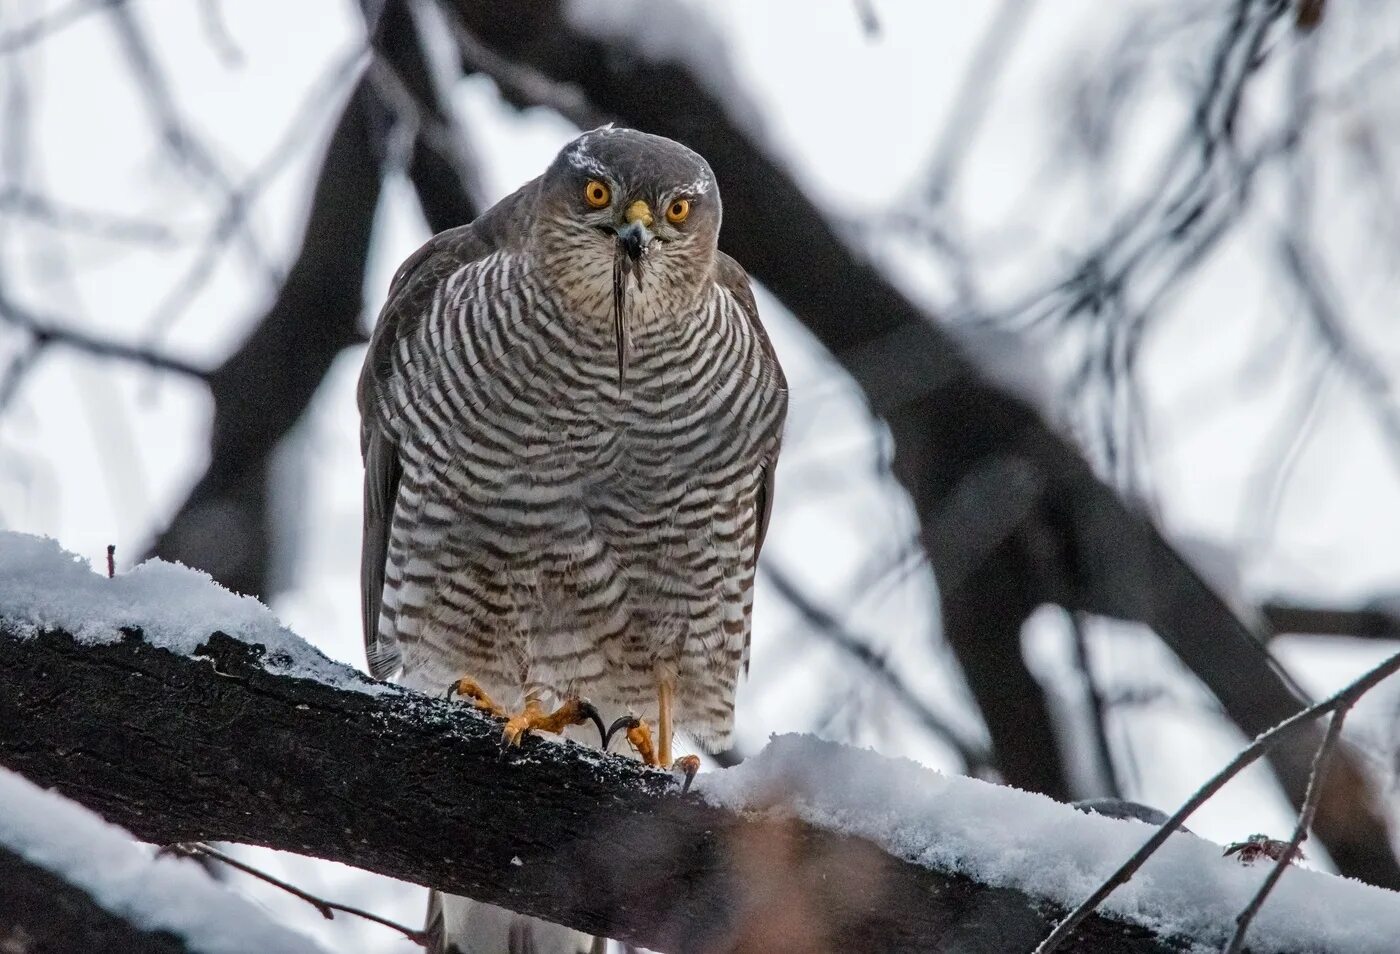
(1094, 411)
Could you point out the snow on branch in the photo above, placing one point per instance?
(226, 727)
(69, 881)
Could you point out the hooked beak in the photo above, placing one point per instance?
(635, 236)
(632, 240)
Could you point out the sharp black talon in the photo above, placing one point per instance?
(451, 690)
(588, 710)
(690, 767)
(624, 723)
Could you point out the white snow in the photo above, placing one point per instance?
(1008, 838)
(42, 586)
(152, 893)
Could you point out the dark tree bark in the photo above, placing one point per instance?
(213, 747)
(40, 913)
(1075, 544)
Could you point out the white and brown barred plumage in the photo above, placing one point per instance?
(539, 517)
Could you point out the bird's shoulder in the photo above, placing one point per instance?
(732, 279)
(503, 227)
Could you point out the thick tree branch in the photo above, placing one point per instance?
(1077, 544)
(180, 748)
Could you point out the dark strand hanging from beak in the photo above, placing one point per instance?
(622, 267)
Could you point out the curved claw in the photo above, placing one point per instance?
(470, 691)
(688, 765)
(587, 710)
(624, 724)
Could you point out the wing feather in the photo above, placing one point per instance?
(411, 293)
(731, 276)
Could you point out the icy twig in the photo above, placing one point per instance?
(198, 850)
(1339, 701)
(1305, 817)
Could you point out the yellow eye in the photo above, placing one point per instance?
(596, 194)
(677, 211)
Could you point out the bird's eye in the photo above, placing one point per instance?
(596, 194)
(677, 211)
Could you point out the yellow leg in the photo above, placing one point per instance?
(658, 752)
(639, 736)
(663, 706)
(574, 711)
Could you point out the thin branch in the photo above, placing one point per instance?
(1098, 708)
(1343, 698)
(46, 331)
(103, 225)
(518, 82)
(176, 132)
(1363, 623)
(829, 627)
(239, 199)
(44, 27)
(327, 909)
(969, 107)
(1300, 831)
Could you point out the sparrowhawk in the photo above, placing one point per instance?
(570, 421)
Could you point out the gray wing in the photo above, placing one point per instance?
(731, 275)
(410, 297)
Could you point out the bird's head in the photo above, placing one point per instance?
(626, 227)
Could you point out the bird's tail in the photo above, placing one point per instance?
(463, 926)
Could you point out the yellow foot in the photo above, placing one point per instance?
(639, 736)
(468, 688)
(574, 711)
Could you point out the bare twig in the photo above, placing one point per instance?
(211, 18)
(869, 19)
(43, 27)
(45, 331)
(198, 850)
(1366, 622)
(975, 757)
(111, 560)
(97, 224)
(1098, 708)
(244, 194)
(1343, 698)
(516, 80)
(1300, 831)
(17, 368)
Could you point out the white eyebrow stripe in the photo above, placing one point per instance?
(579, 158)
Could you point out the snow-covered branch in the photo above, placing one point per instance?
(71, 882)
(1013, 516)
(225, 726)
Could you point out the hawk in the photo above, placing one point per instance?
(571, 417)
